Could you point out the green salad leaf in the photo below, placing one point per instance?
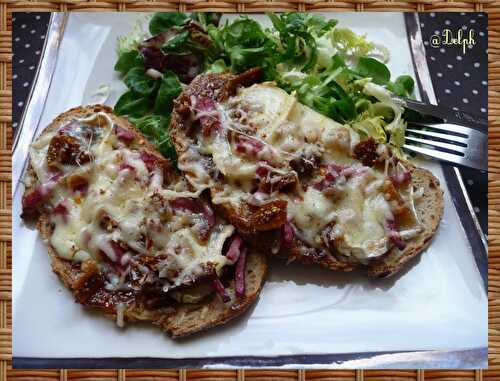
(297, 43)
(242, 44)
(207, 18)
(163, 21)
(155, 128)
(218, 66)
(132, 104)
(403, 86)
(170, 88)
(324, 94)
(371, 68)
(132, 40)
(371, 126)
(137, 80)
(351, 44)
(127, 61)
(176, 43)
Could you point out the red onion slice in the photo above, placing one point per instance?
(125, 166)
(118, 250)
(55, 176)
(248, 145)
(219, 288)
(184, 203)
(191, 205)
(234, 248)
(209, 215)
(401, 178)
(148, 159)
(207, 113)
(115, 256)
(287, 234)
(61, 209)
(124, 135)
(263, 169)
(33, 200)
(239, 275)
(394, 235)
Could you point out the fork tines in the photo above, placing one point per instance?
(448, 142)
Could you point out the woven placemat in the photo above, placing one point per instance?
(6, 9)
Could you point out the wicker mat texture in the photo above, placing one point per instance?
(7, 7)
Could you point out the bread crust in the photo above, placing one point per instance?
(387, 265)
(430, 209)
(180, 319)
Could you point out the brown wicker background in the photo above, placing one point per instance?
(493, 9)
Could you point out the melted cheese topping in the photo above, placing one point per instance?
(293, 128)
(311, 214)
(280, 130)
(126, 204)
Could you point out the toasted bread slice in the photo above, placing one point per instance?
(430, 208)
(85, 278)
(205, 108)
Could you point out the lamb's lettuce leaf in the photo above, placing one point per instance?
(218, 66)
(207, 18)
(127, 61)
(156, 130)
(372, 68)
(403, 86)
(133, 104)
(137, 80)
(163, 21)
(170, 88)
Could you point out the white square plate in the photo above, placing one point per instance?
(437, 304)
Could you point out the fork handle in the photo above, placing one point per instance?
(459, 117)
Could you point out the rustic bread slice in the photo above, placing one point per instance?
(429, 208)
(262, 226)
(177, 319)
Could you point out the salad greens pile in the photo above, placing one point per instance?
(333, 70)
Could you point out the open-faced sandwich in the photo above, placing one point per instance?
(299, 184)
(127, 234)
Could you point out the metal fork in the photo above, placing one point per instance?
(449, 142)
(460, 139)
